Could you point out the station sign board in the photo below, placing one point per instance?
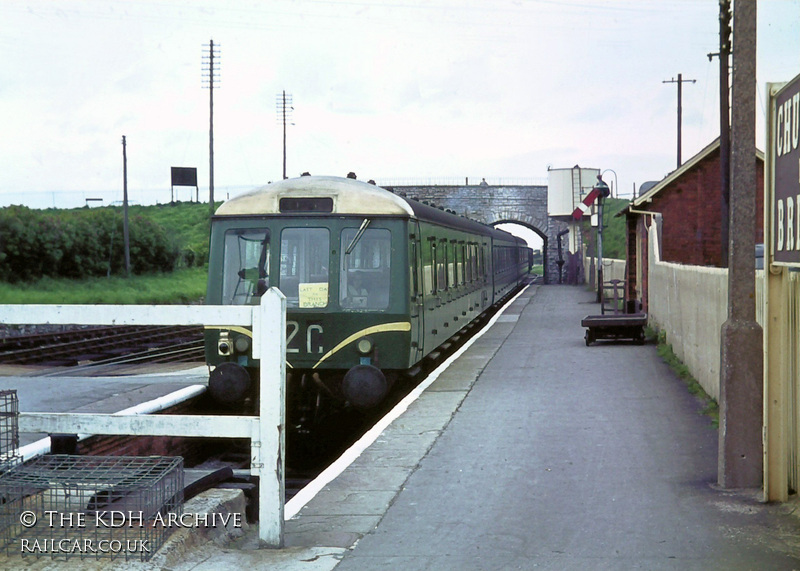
(184, 176)
(783, 150)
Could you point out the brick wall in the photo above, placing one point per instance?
(692, 214)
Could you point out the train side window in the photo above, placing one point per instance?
(441, 267)
(464, 279)
(305, 256)
(365, 272)
(246, 265)
(429, 271)
(473, 261)
(451, 265)
(459, 270)
(463, 249)
(414, 261)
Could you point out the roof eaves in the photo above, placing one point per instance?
(677, 173)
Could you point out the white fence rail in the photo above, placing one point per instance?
(265, 431)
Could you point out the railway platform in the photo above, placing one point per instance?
(529, 451)
(534, 451)
(55, 392)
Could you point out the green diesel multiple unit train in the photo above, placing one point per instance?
(374, 283)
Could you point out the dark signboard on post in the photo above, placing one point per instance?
(184, 176)
(784, 148)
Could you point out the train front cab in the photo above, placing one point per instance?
(346, 283)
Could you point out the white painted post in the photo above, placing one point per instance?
(269, 346)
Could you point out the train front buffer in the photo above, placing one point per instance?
(351, 358)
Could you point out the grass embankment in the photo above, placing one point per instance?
(184, 286)
(710, 406)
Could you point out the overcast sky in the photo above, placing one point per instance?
(391, 89)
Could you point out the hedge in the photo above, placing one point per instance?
(79, 244)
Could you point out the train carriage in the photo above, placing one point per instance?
(374, 283)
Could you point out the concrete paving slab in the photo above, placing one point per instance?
(310, 530)
(235, 558)
(460, 375)
(408, 443)
(373, 478)
(334, 501)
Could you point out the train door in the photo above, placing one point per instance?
(430, 257)
(416, 305)
(485, 273)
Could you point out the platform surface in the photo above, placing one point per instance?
(62, 393)
(568, 457)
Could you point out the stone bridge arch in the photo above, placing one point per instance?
(492, 205)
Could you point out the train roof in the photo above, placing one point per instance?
(344, 196)
(348, 196)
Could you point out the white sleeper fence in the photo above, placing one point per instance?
(265, 431)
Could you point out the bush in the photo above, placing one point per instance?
(189, 223)
(79, 244)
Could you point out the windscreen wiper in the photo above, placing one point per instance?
(358, 235)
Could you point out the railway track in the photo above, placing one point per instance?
(89, 348)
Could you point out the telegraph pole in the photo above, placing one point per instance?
(210, 78)
(740, 462)
(679, 81)
(724, 124)
(284, 108)
(125, 234)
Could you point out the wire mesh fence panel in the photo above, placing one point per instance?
(9, 430)
(63, 506)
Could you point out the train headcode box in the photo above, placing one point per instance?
(784, 158)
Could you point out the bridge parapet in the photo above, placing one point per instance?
(493, 204)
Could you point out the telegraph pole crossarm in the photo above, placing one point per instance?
(680, 81)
